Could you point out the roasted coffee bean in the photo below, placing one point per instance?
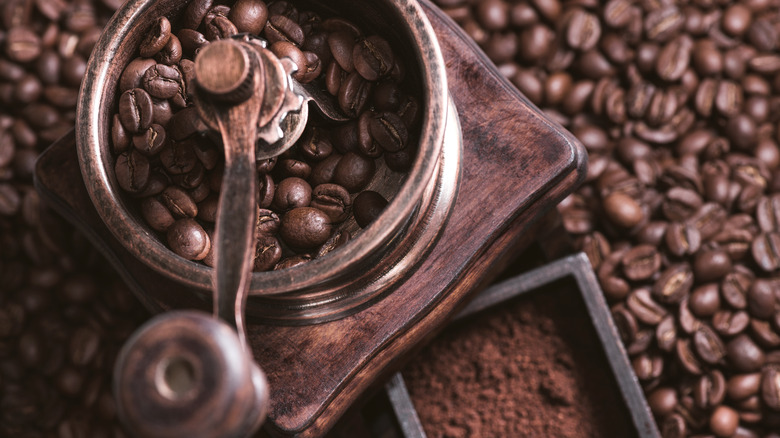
(333, 200)
(647, 367)
(282, 28)
(218, 26)
(354, 94)
(705, 300)
(768, 213)
(353, 172)
(134, 72)
(292, 193)
(673, 284)
(150, 142)
(711, 265)
(135, 110)
(743, 386)
(373, 57)
(156, 214)
(682, 238)
(156, 38)
(178, 202)
(766, 250)
(623, 210)
(724, 421)
(268, 252)
(161, 81)
(132, 171)
(188, 239)
(178, 157)
(268, 222)
(249, 16)
(389, 131)
(641, 304)
(708, 345)
(770, 387)
(709, 390)
(730, 323)
(305, 227)
(582, 29)
(686, 358)
(626, 323)
(735, 286)
(761, 299)
(662, 401)
(368, 206)
(674, 426)
(744, 355)
(666, 334)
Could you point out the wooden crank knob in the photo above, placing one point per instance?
(185, 374)
(225, 71)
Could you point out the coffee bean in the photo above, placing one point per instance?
(353, 172)
(766, 250)
(709, 390)
(268, 252)
(642, 262)
(582, 29)
(292, 193)
(743, 386)
(708, 345)
(368, 206)
(354, 94)
(761, 299)
(711, 265)
(22, 44)
(724, 421)
(135, 110)
(188, 239)
(682, 238)
(641, 304)
(673, 284)
(84, 345)
(626, 323)
(249, 16)
(161, 81)
(770, 387)
(132, 171)
(623, 210)
(736, 19)
(744, 355)
(156, 214)
(282, 28)
(673, 58)
(218, 26)
(305, 227)
(666, 334)
(705, 300)
(662, 401)
(373, 57)
(686, 357)
(156, 38)
(730, 323)
(333, 200)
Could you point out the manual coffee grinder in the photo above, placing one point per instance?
(302, 344)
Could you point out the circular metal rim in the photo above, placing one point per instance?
(92, 125)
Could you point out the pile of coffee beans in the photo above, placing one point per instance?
(677, 104)
(172, 165)
(63, 313)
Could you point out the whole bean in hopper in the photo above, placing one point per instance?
(172, 164)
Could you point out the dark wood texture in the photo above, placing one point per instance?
(517, 165)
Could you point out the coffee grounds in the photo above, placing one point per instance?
(532, 367)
